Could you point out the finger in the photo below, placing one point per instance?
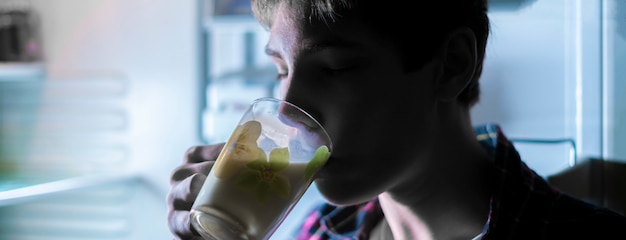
(203, 153)
(184, 171)
(182, 195)
(179, 222)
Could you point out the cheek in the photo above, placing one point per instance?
(379, 123)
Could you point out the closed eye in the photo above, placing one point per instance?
(281, 76)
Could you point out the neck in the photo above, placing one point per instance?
(452, 200)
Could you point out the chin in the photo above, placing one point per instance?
(344, 192)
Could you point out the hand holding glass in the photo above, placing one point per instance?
(265, 167)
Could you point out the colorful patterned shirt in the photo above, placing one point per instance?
(524, 206)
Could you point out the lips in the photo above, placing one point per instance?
(332, 168)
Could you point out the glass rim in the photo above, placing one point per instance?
(330, 141)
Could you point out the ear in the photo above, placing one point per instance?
(459, 56)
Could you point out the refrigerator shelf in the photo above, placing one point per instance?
(28, 188)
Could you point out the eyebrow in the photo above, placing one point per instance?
(313, 48)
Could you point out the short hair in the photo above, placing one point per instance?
(417, 27)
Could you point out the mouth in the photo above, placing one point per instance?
(331, 168)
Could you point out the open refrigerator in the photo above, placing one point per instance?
(90, 137)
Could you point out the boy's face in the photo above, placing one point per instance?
(379, 118)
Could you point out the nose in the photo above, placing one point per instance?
(308, 126)
(294, 116)
(303, 91)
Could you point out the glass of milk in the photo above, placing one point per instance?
(266, 166)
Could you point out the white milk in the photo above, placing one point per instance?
(222, 199)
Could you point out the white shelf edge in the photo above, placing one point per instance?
(38, 191)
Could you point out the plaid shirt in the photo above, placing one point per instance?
(524, 206)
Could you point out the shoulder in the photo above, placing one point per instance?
(574, 217)
(564, 217)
